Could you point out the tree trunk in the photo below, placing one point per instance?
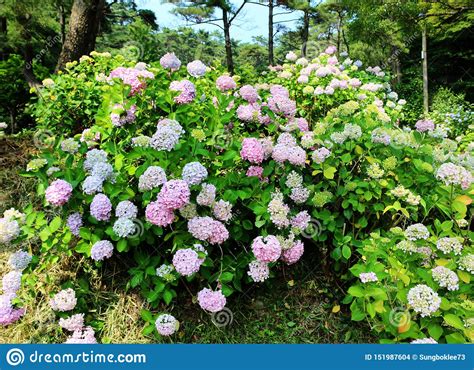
(305, 35)
(62, 23)
(83, 29)
(228, 44)
(424, 56)
(270, 32)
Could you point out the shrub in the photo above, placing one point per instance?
(199, 180)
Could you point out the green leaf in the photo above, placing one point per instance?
(329, 172)
(167, 296)
(454, 321)
(356, 291)
(55, 224)
(346, 252)
(147, 330)
(122, 245)
(435, 331)
(247, 225)
(455, 338)
(226, 277)
(146, 315)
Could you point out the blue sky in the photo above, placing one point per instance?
(252, 21)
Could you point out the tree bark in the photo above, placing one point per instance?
(83, 29)
(228, 43)
(424, 56)
(270, 32)
(305, 34)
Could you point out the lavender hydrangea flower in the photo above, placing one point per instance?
(74, 222)
(153, 177)
(93, 157)
(208, 229)
(170, 61)
(194, 173)
(92, 185)
(225, 83)
(258, 271)
(186, 261)
(166, 324)
(186, 89)
(19, 260)
(167, 135)
(101, 207)
(124, 227)
(293, 254)
(101, 250)
(126, 209)
(368, 277)
(58, 193)
(9, 230)
(157, 214)
(82, 336)
(72, 323)
(63, 301)
(196, 68)
(207, 195)
(266, 249)
(174, 194)
(222, 210)
(11, 282)
(212, 301)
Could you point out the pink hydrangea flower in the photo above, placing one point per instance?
(266, 249)
(225, 83)
(59, 192)
(187, 261)
(174, 194)
(293, 254)
(249, 93)
(212, 301)
(157, 214)
(252, 150)
(187, 91)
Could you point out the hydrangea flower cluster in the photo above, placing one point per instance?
(445, 278)
(186, 261)
(165, 272)
(424, 125)
(208, 229)
(194, 173)
(196, 68)
(166, 324)
(9, 230)
(225, 83)
(19, 260)
(320, 155)
(207, 195)
(69, 146)
(301, 220)
(170, 61)
(212, 301)
(452, 174)
(466, 263)
(121, 116)
(133, 77)
(266, 249)
(186, 89)
(424, 300)
(417, 232)
(72, 323)
(124, 227)
(11, 281)
(101, 250)
(74, 222)
(101, 207)
(252, 150)
(84, 335)
(293, 254)
(167, 135)
(222, 210)
(63, 301)
(258, 271)
(278, 210)
(153, 177)
(368, 277)
(449, 245)
(58, 193)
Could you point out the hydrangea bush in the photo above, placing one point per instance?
(197, 176)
